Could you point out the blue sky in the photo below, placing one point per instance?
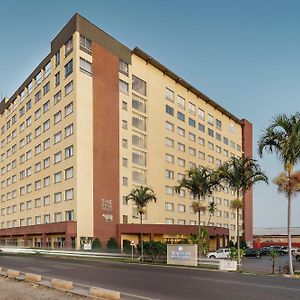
(242, 54)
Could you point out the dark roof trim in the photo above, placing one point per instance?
(184, 83)
(86, 28)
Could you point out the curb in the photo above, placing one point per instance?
(59, 284)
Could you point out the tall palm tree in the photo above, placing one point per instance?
(141, 197)
(282, 136)
(212, 208)
(239, 174)
(201, 182)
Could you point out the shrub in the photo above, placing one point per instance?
(112, 244)
(96, 245)
(126, 246)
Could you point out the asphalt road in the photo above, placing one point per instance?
(158, 282)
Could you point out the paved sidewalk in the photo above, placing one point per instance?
(14, 290)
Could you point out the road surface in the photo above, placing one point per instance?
(158, 282)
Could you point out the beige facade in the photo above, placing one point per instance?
(172, 146)
(47, 161)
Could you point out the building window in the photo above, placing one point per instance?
(125, 162)
(201, 155)
(69, 173)
(139, 122)
(57, 79)
(85, 44)
(57, 117)
(181, 131)
(125, 181)
(37, 114)
(139, 104)
(201, 127)
(192, 122)
(57, 197)
(169, 174)
(169, 190)
(69, 46)
(68, 130)
(181, 102)
(181, 147)
(170, 142)
(170, 110)
(57, 58)
(181, 208)
(58, 217)
(181, 162)
(47, 219)
(69, 68)
(192, 137)
(123, 67)
(169, 206)
(210, 132)
(69, 151)
(85, 66)
(57, 97)
(169, 221)
(69, 88)
(46, 125)
(69, 194)
(69, 215)
(68, 109)
(46, 88)
(139, 85)
(37, 202)
(46, 162)
(57, 157)
(169, 95)
(46, 200)
(46, 144)
(169, 158)
(218, 124)
(180, 116)
(123, 86)
(192, 108)
(169, 126)
(57, 137)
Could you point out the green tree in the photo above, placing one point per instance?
(282, 137)
(240, 174)
(201, 182)
(212, 207)
(141, 197)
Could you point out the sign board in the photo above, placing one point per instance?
(182, 254)
(87, 246)
(228, 265)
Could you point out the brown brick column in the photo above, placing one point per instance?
(248, 199)
(106, 143)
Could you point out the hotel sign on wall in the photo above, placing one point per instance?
(107, 208)
(185, 255)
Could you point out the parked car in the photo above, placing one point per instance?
(265, 250)
(277, 249)
(296, 254)
(220, 253)
(285, 249)
(252, 252)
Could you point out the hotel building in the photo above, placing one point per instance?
(96, 119)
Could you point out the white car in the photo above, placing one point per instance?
(220, 253)
(296, 254)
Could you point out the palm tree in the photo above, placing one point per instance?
(239, 174)
(201, 182)
(212, 207)
(141, 197)
(282, 136)
(273, 255)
